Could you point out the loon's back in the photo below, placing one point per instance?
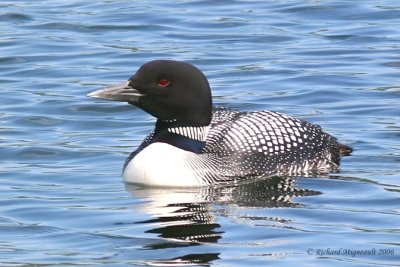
(266, 143)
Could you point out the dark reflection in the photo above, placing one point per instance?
(194, 227)
(189, 259)
(184, 216)
(273, 192)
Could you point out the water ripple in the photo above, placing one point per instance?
(62, 201)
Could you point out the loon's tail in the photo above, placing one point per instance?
(344, 150)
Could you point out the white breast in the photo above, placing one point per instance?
(161, 164)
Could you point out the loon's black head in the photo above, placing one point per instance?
(168, 90)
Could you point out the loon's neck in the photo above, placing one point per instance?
(181, 134)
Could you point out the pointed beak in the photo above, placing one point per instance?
(120, 92)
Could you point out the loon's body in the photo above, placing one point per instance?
(194, 144)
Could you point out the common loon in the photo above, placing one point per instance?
(195, 144)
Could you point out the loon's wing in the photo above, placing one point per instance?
(266, 132)
(266, 142)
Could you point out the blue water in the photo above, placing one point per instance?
(62, 199)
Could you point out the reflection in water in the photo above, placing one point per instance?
(202, 259)
(184, 216)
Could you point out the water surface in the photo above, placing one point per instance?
(62, 199)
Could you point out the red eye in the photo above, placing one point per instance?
(164, 83)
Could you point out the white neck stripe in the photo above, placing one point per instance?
(197, 133)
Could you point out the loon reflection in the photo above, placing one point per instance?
(184, 217)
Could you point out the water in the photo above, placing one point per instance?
(62, 199)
